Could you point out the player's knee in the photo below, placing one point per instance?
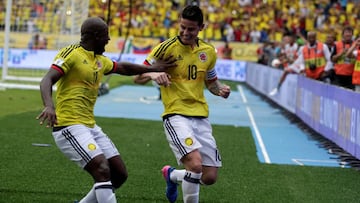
(99, 169)
(196, 168)
(193, 162)
(103, 171)
(100, 172)
(119, 179)
(208, 179)
(209, 176)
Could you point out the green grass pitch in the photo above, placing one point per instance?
(43, 175)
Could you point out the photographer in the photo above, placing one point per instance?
(316, 58)
(344, 66)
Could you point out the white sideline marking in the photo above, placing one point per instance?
(142, 99)
(132, 100)
(258, 136)
(300, 161)
(256, 129)
(243, 97)
(128, 100)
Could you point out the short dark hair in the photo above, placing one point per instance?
(348, 28)
(193, 13)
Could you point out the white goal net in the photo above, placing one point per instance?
(32, 32)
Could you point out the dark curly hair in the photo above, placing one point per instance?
(193, 13)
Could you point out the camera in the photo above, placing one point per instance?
(312, 66)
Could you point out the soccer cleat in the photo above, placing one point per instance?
(273, 92)
(171, 187)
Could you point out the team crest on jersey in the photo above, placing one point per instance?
(59, 62)
(202, 56)
(91, 147)
(189, 141)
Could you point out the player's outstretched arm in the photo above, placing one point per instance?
(161, 65)
(161, 78)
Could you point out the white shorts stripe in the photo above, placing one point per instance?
(81, 143)
(186, 134)
(75, 144)
(170, 129)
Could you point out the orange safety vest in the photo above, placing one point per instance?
(356, 73)
(344, 65)
(314, 56)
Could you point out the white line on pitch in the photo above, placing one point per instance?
(243, 97)
(258, 136)
(142, 99)
(253, 123)
(300, 161)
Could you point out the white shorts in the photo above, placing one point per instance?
(81, 144)
(186, 134)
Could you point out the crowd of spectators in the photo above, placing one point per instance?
(227, 20)
(250, 21)
(274, 25)
(324, 17)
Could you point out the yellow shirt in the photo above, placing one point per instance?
(77, 89)
(185, 95)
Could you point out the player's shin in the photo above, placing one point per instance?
(191, 187)
(105, 192)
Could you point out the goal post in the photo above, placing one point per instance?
(33, 37)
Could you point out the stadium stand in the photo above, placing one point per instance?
(154, 18)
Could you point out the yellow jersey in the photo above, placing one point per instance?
(77, 89)
(185, 95)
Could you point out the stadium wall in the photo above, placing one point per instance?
(332, 111)
(42, 59)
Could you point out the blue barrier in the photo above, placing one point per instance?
(332, 111)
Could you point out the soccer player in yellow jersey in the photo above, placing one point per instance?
(77, 71)
(185, 116)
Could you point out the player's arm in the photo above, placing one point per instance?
(48, 114)
(161, 78)
(161, 65)
(142, 79)
(217, 88)
(214, 85)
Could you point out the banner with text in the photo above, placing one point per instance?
(332, 111)
(42, 59)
